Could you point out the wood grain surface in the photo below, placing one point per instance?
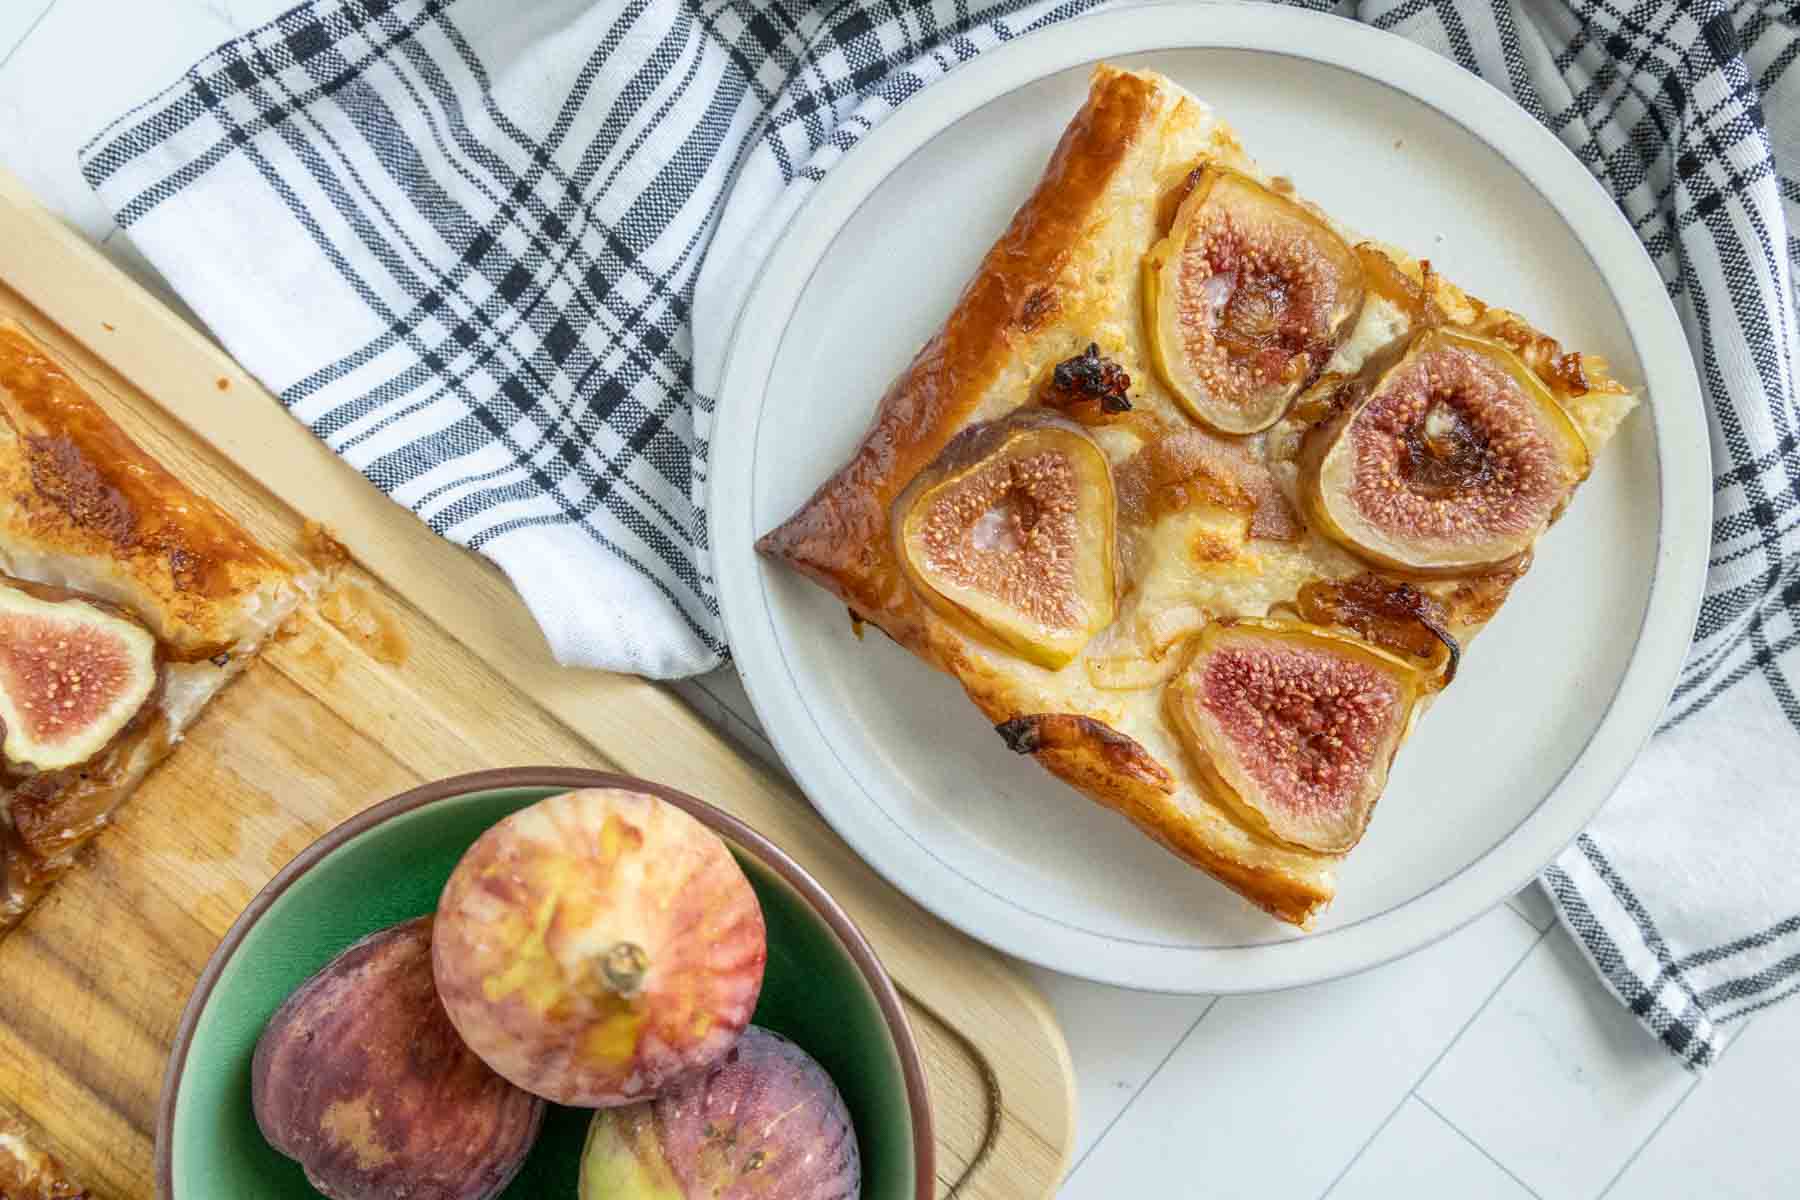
(428, 665)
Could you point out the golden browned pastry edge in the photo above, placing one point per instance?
(27, 1172)
(839, 538)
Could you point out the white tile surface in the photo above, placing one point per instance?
(1528, 1066)
(83, 64)
(1734, 1134)
(1533, 903)
(18, 18)
(1418, 1154)
(1276, 1093)
(1555, 1079)
(1117, 1039)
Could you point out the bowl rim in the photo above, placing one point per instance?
(887, 997)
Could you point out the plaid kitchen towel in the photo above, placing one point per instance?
(486, 250)
(1684, 893)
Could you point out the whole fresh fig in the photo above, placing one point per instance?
(765, 1121)
(597, 945)
(361, 1079)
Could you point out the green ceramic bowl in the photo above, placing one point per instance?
(823, 988)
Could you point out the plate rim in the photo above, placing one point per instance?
(1540, 158)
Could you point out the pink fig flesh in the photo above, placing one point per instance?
(74, 672)
(360, 1078)
(764, 1122)
(1454, 460)
(1294, 726)
(597, 945)
(1246, 300)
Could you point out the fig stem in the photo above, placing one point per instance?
(624, 966)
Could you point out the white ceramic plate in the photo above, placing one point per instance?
(1553, 700)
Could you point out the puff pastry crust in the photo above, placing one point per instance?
(1064, 274)
(27, 1172)
(87, 509)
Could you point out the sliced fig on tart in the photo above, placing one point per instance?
(1010, 531)
(1293, 726)
(74, 672)
(1453, 458)
(1246, 300)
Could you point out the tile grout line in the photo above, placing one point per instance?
(1519, 913)
(1369, 1141)
(1432, 1065)
(1148, 1079)
(26, 36)
(1479, 1148)
(1644, 1145)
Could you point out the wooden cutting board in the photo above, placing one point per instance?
(426, 665)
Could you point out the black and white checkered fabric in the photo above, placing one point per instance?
(463, 241)
(459, 239)
(1684, 893)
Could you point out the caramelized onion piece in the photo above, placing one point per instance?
(1453, 459)
(1391, 613)
(1475, 600)
(1385, 279)
(1167, 626)
(1293, 726)
(1129, 673)
(1246, 299)
(1010, 532)
(1565, 374)
(1182, 470)
(1329, 395)
(1172, 200)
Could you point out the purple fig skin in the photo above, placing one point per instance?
(361, 1079)
(764, 1123)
